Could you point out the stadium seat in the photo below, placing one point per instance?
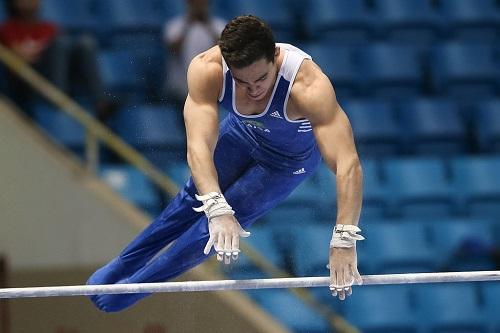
(298, 317)
(433, 127)
(310, 249)
(337, 62)
(375, 191)
(73, 16)
(408, 21)
(463, 244)
(464, 70)
(264, 240)
(340, 21)
(391, 70)
(392, 247)
(61, 127)
(372, 310)
(129, 15)
(477, 185)
(487, 125)
(275, 13)
(471, 19)
(285, 214)
(179, 172)
(3, 12)
(155, 130)
(375, 127)
(450, 308)
(122, 74)
(419, 187)
(490, 292)
(132, 184)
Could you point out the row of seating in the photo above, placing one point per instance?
(391, 246)
(424, 20)
(421, 127)
(395, 70)
(464, 308)
(420, 188)
(425, 308)
(410, 187)
(346, 20)
(464, 70)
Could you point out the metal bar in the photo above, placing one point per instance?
(192, 286)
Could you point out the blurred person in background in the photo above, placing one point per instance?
(185, 37)
(68, 62)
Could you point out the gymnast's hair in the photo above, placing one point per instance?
(245, 40)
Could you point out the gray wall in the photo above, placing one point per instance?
(51, 212)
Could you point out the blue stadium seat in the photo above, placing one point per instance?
(292, 312)
(275, 13)
(172, 8)
(419, 187)
(487, 125)
(179, 172)
(156, 131)
(129, 15)
(73, 16)
(391, 70)
(463, 244)
(372, 310)
(264, 240)
(477, 185)
(490, 292)
(375, 191)
(285, 214)
(122, 73)
(3, 11)
(392, 247)
(476, 20)
(337, 62)
(61, 127)
(433, 127)
(375, 127)
(311, 248)
(450, 308)
(464, 70)
(408, 21)
(132, 184)
(341, 21)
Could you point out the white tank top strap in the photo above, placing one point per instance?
(225, 68)
(294, 59)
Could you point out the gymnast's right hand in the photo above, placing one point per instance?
(225, 233)
(224, 229)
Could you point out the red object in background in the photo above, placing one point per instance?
(15, 32)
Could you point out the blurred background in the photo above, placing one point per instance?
(92, 146)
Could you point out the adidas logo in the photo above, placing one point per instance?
(300, 171)
(276, 114)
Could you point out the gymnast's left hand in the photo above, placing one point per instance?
(225, 233)
(344, 273)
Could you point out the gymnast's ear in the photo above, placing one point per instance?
(276, 53)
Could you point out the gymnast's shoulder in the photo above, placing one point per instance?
(205, 72)
(311, 90)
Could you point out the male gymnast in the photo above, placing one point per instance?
(283, 118)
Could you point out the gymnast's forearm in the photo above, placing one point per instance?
(200, 161)
(349, 192)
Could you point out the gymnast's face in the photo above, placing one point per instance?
(257, 79)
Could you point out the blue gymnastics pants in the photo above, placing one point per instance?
(252, 180)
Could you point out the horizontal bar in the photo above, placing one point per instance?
(190, 286)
